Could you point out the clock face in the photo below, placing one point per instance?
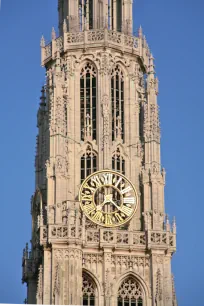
(108, 198)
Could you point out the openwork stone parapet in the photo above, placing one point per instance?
(103, 237)
(96, 38)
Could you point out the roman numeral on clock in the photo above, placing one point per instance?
(126, 190)
(130, 200)
(89, 208)
(108, 219)
(87, 197)
(118, 182)
(118, 217)
(108, 178)
(97, 217)
(126, 210)
(96, 180)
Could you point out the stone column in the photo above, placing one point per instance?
(47, 277)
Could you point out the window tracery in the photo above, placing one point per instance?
(130, 293)
(88, 163)
(88, 290)
(117, 98)
(118, 162)
(85, 12)
(88, 100)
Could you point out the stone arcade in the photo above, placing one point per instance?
(99, 129)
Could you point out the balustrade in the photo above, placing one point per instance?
(105, 237)
(80, 39)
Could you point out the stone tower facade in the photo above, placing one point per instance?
(98, 110)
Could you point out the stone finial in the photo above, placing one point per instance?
(144, 41)
(53, 34)
(25, 301)
(65, 26)
(167, 224)
(157, 85)
(26, 251)
(140, 33)
(42, 42)
(163, 173)
(174, 225)
(151, 64)
(42, 98)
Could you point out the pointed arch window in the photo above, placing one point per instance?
(119, 15)
(130, 293)
(117, 99)
(88, 291)
(88, 102)
(88, 163)
(118, 162)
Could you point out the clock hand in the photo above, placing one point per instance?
(115, 205)
(108, 199)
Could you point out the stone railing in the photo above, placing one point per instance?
(104, 237)
(96, 38)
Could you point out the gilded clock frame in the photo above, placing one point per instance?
(126, 179)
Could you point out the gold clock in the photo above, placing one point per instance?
(108, 198)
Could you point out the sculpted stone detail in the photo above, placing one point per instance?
(71, 65)
(75, 37)
(56, 289)
(89, 259)
(130, 289)
(88, 287)
(104, 59)
(130, 261)
(95, 35)
(139, 239)
(158, 238)
(115, 37)
(158, 296)
(59, 232)
(108, 236)
(93, 236)
(158, 259)
(123, 238)
(40, 286)
(108, 286)
(62, 254)
(106, 114)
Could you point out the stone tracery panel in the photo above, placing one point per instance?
(130, 292)
(89, 290)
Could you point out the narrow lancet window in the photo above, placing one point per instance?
(118, 162)
(117, 97)
(88, 163)
(88, 102)
(119, 15)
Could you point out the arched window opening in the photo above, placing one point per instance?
(88, 291)
(130, 293)
(85, 11)
(88, 102)
(119, 15)
(88, 163)
(118, 162)
(117, 98)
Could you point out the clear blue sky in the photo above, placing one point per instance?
(175, 32)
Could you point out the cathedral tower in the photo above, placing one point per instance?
(100, 235)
